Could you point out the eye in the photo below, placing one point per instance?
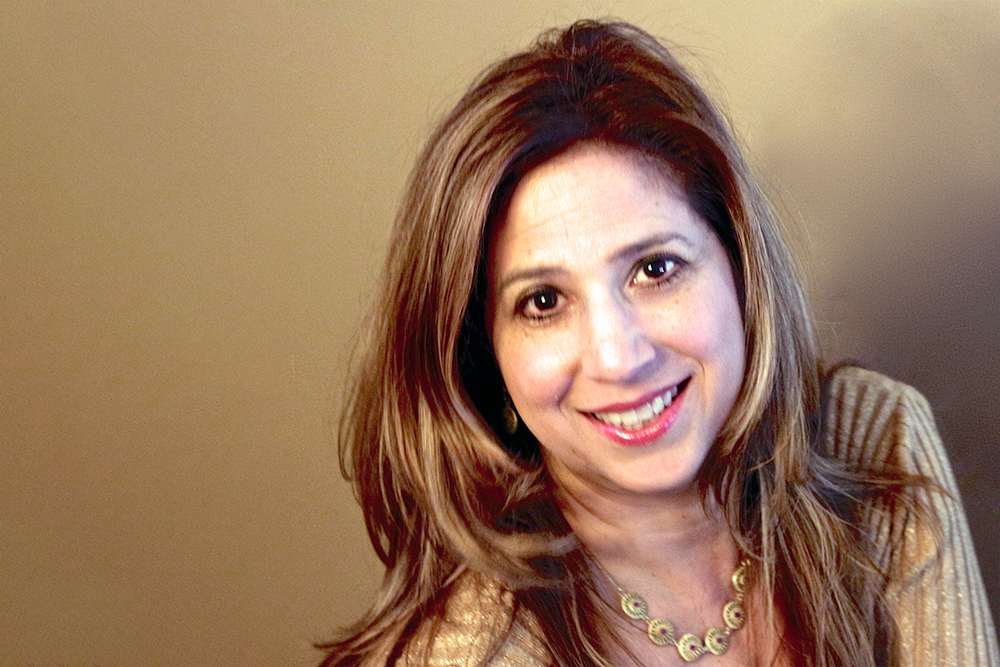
(539, 304)
(655, 270)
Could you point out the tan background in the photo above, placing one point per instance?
(194, 202)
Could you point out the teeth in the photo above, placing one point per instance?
(633, 419)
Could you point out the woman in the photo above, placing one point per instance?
(588, 426)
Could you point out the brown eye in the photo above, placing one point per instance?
(657, 267)
(655, 270)
(544, 300)
(540, 304)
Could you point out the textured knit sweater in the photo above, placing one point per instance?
(938, 595)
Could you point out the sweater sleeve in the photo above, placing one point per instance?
(941, 605)
(477, 630)
(936, 590)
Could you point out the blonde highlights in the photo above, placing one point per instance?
(446, 492)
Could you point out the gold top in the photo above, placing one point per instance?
(941, 607)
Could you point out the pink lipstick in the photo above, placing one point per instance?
(642, 422)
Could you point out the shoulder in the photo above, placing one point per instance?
(874, 422)
(878, 426)
(478, 626)
(921, 538)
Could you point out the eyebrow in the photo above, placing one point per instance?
(642, 245)
(533, 273)
(623, 253)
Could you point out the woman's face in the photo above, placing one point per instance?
(615, 322)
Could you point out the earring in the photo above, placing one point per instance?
(510, 421)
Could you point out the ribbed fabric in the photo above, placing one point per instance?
(937, 590)
(478, 613)
(941, 606)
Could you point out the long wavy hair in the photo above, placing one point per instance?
(445, 492)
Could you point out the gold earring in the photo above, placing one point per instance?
(510, 421)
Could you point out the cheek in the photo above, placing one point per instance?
(710, 329)
(536, 370)
(724, 341)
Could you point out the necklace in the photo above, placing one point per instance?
(691, 647)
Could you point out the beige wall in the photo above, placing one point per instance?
(194, 202)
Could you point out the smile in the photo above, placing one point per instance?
(643, 415)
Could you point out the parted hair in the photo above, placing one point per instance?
(446, 492)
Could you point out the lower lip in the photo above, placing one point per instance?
(646, 434)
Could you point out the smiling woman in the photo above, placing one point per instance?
(589, 425)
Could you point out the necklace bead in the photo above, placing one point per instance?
(661, 631)
(634, 606)
(716, 641)
(733, 615)
(690, 647)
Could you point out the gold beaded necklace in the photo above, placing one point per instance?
(691, 647)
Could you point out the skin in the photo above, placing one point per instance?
(608, 289)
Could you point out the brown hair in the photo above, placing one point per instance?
(444, 492)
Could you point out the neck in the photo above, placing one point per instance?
(674, 552)
(648, 532)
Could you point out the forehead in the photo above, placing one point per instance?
(613, 164)
(588, 200)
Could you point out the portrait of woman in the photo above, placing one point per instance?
(532, 333)
(589, 423)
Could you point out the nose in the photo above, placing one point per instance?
(619, 348)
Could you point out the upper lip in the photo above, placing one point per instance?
(638, 403)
